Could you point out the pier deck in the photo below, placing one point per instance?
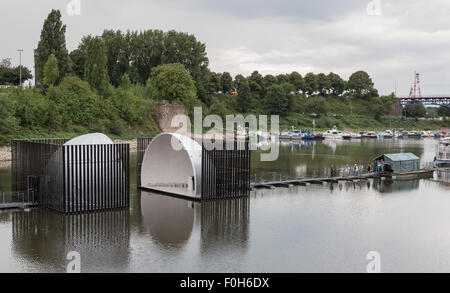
(304, 182)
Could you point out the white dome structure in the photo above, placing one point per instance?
(90, 139)
(173, 164)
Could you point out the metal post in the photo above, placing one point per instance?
(20, 61)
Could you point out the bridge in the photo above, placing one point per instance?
(426, 100)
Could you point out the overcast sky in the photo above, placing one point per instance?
(269, 36)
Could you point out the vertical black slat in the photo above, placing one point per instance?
(77, 178)
(249, 155)
(72, 179)
(91, 172)
(63, 180)
(83, 168)
(88, 177)
(111, 179)
(65, 162)
(123, 177)
(102, 177)
(95, 184)
(203, 170)
(80, 180)
(119, 168)
(127, 176)
(119, 165)
(116, 175)
(105, 168)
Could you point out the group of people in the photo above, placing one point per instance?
(347, 170)
(360, 169)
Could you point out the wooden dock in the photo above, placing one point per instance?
(322, 181)
(325, 180)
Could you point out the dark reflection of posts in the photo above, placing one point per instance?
(102, 239)
(225, 224)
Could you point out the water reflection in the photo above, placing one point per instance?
(173, 221)
(168, 220)
(102, 239)
(381, 186)
(225, 225)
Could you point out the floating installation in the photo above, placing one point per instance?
(178, 165)
(88, 173)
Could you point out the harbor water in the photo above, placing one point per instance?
(316, 228)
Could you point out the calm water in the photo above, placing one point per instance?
(302, 229)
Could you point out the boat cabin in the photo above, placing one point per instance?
(398, 163)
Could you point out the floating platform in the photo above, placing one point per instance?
(325, 180)
(17, 205)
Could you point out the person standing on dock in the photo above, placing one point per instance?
(332, 171)
(355, 170)
(369, 168)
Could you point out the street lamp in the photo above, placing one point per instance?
(20, 67)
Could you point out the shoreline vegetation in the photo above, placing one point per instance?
(111, 83)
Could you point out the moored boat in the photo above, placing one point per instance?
(401, 166)
(442, 158)
(333, 133)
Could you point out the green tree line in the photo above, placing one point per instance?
(111, 82)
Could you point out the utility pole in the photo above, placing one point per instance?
(20, 67)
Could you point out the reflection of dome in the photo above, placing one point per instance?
(172, 163)
(168, 220)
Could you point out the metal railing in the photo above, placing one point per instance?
(27, 196)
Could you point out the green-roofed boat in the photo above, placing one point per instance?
(401, 166)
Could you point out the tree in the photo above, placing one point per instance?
(311, 83)
(11, 75)
(268, 81)
(361, 85)
(213, 85)
(173, 83)
(226, 81)
(8, 123)
(296, 80)
(118, 55)
(51, 71)
(95, 71)
(276, 101)
(53, 41)
(444, 111)
(316, 105)
(244, 95)
(415, 110)
(78, 57)
(337, 84)
(255, 81)
(324, 84)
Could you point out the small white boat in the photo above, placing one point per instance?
(356, 136)
(285, 134)
(386, 134)
(333, 134)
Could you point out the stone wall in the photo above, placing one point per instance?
(164, 113)
(396, 109)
